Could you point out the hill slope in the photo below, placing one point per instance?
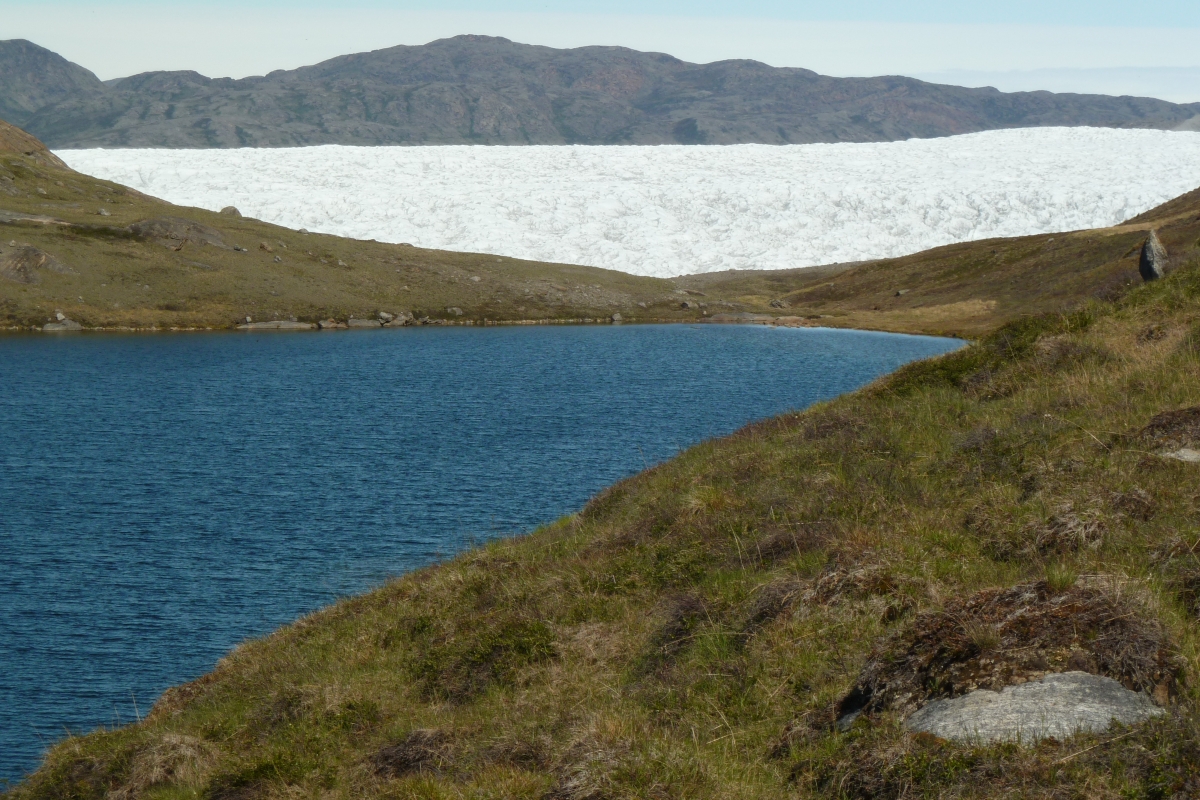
(486, 90)
(977, 520)
(114, 258)
(106, 256)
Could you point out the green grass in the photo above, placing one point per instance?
(691, 631)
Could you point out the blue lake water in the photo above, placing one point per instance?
(163, 497)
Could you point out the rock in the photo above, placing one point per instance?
(777, 304)
(330, 324)
(173, 231)
(104, 212)
(230, 211)
(60, 316)
(455, 310)
(1058, 705)
(303, 231)
(901, 292)
(617, 318)
(23, 264)
(278, 260)
(277, 325)
(385, 316)
(475, 278)
(641, 305)
(401, 320)
(363, 323)
(688, 304)
(1184, 454)
(1153, 262)
(266, 248)
(63, 324)
(341, 263)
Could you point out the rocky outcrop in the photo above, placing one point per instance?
(23, 264)
(489, 90)
(1059, 705)
(175, 231)
(1152, 263)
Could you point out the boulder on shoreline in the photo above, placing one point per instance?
(63, 324)
(277, 325)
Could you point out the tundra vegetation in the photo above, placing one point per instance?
(1015, 508)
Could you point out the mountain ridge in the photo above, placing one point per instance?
(489, 90)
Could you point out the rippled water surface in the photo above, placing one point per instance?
(163, 497)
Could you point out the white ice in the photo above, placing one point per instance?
(674, 210)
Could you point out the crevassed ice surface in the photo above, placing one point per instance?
(673, 210)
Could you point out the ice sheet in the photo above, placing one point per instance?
(673, 210)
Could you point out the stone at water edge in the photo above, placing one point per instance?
(277, 325)
(617, 318)
(401, 320)
(1152, 264)
(363, 323)
(1058, 705)
(63, 324)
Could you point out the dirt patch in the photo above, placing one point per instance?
(794, 540)
(1003, 637)
(769, 602)
(1061, 352)
(1172, 430)
(838, 584)
(425, 751)
(1135, 504)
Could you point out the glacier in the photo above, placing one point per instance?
(673, 210)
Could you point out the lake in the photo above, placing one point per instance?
(166, 496)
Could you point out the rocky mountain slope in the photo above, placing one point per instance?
(485, 90)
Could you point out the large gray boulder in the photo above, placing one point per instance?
(1058, 705)
(63, 324)
(1153, 262)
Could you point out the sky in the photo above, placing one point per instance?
(1066, 45)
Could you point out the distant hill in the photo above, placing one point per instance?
(487, 90)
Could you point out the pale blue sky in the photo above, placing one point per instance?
(1064, 45)
(1121, 13)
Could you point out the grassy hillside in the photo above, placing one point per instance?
(694, 631)
(108, 257)
(966, 289)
